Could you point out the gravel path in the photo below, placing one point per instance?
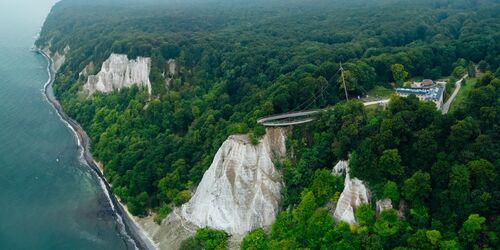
(458, 85)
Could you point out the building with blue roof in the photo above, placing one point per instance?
(433, 94)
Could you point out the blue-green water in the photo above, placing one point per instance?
(48, 198)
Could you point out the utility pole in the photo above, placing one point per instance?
(343, 80)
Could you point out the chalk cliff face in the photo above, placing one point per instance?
(119, 72)
(382, 205)
(171, 68)
(58, 59)
(87, 70)
(170, 72)
(354, 194)
(241, 189)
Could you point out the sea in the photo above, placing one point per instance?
(49, 199)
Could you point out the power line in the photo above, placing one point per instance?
(343, 80)
(310, 101)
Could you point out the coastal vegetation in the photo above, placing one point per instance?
(241, 60)
(206, 239)
(441, 171)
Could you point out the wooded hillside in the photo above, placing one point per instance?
(240, 60)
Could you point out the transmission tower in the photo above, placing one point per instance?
(343, 81)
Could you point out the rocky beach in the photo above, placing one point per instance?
(130, 229)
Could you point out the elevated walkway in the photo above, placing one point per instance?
(301, 117)
(289, 119)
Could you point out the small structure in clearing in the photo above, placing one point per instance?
(426, 83)
(433, 94)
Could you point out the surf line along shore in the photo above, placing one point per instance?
(129, 228)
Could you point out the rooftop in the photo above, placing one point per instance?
(432, 94)
(427, 82)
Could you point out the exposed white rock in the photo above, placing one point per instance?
(354, 194)
(340, 168)
(87, 70)
(171, 72)
(58, 59)
(241, 189)
(171, 67)
(119, 72)
(384, 204)
(170, 233)
(168, 82)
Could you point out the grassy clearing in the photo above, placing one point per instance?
(380, 91)
(467, 86)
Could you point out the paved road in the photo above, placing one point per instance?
(458, 85)
(385, 101)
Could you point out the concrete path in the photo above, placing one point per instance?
(458, 85)
(295, 118)
(385, 101)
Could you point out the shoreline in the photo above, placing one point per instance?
(130, 229)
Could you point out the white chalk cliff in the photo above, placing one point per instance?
(241, 189)
(87, 70)
(119, 72)
(171, 67)
(58, 59)
(382, 205)
(354, 194)
(170, 72)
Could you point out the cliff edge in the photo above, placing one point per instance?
(241, 190)
(355, 194)
(119, 72)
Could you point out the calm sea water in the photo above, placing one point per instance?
(48, 198)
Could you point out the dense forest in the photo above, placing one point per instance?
(442, 171)
(240, 60)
